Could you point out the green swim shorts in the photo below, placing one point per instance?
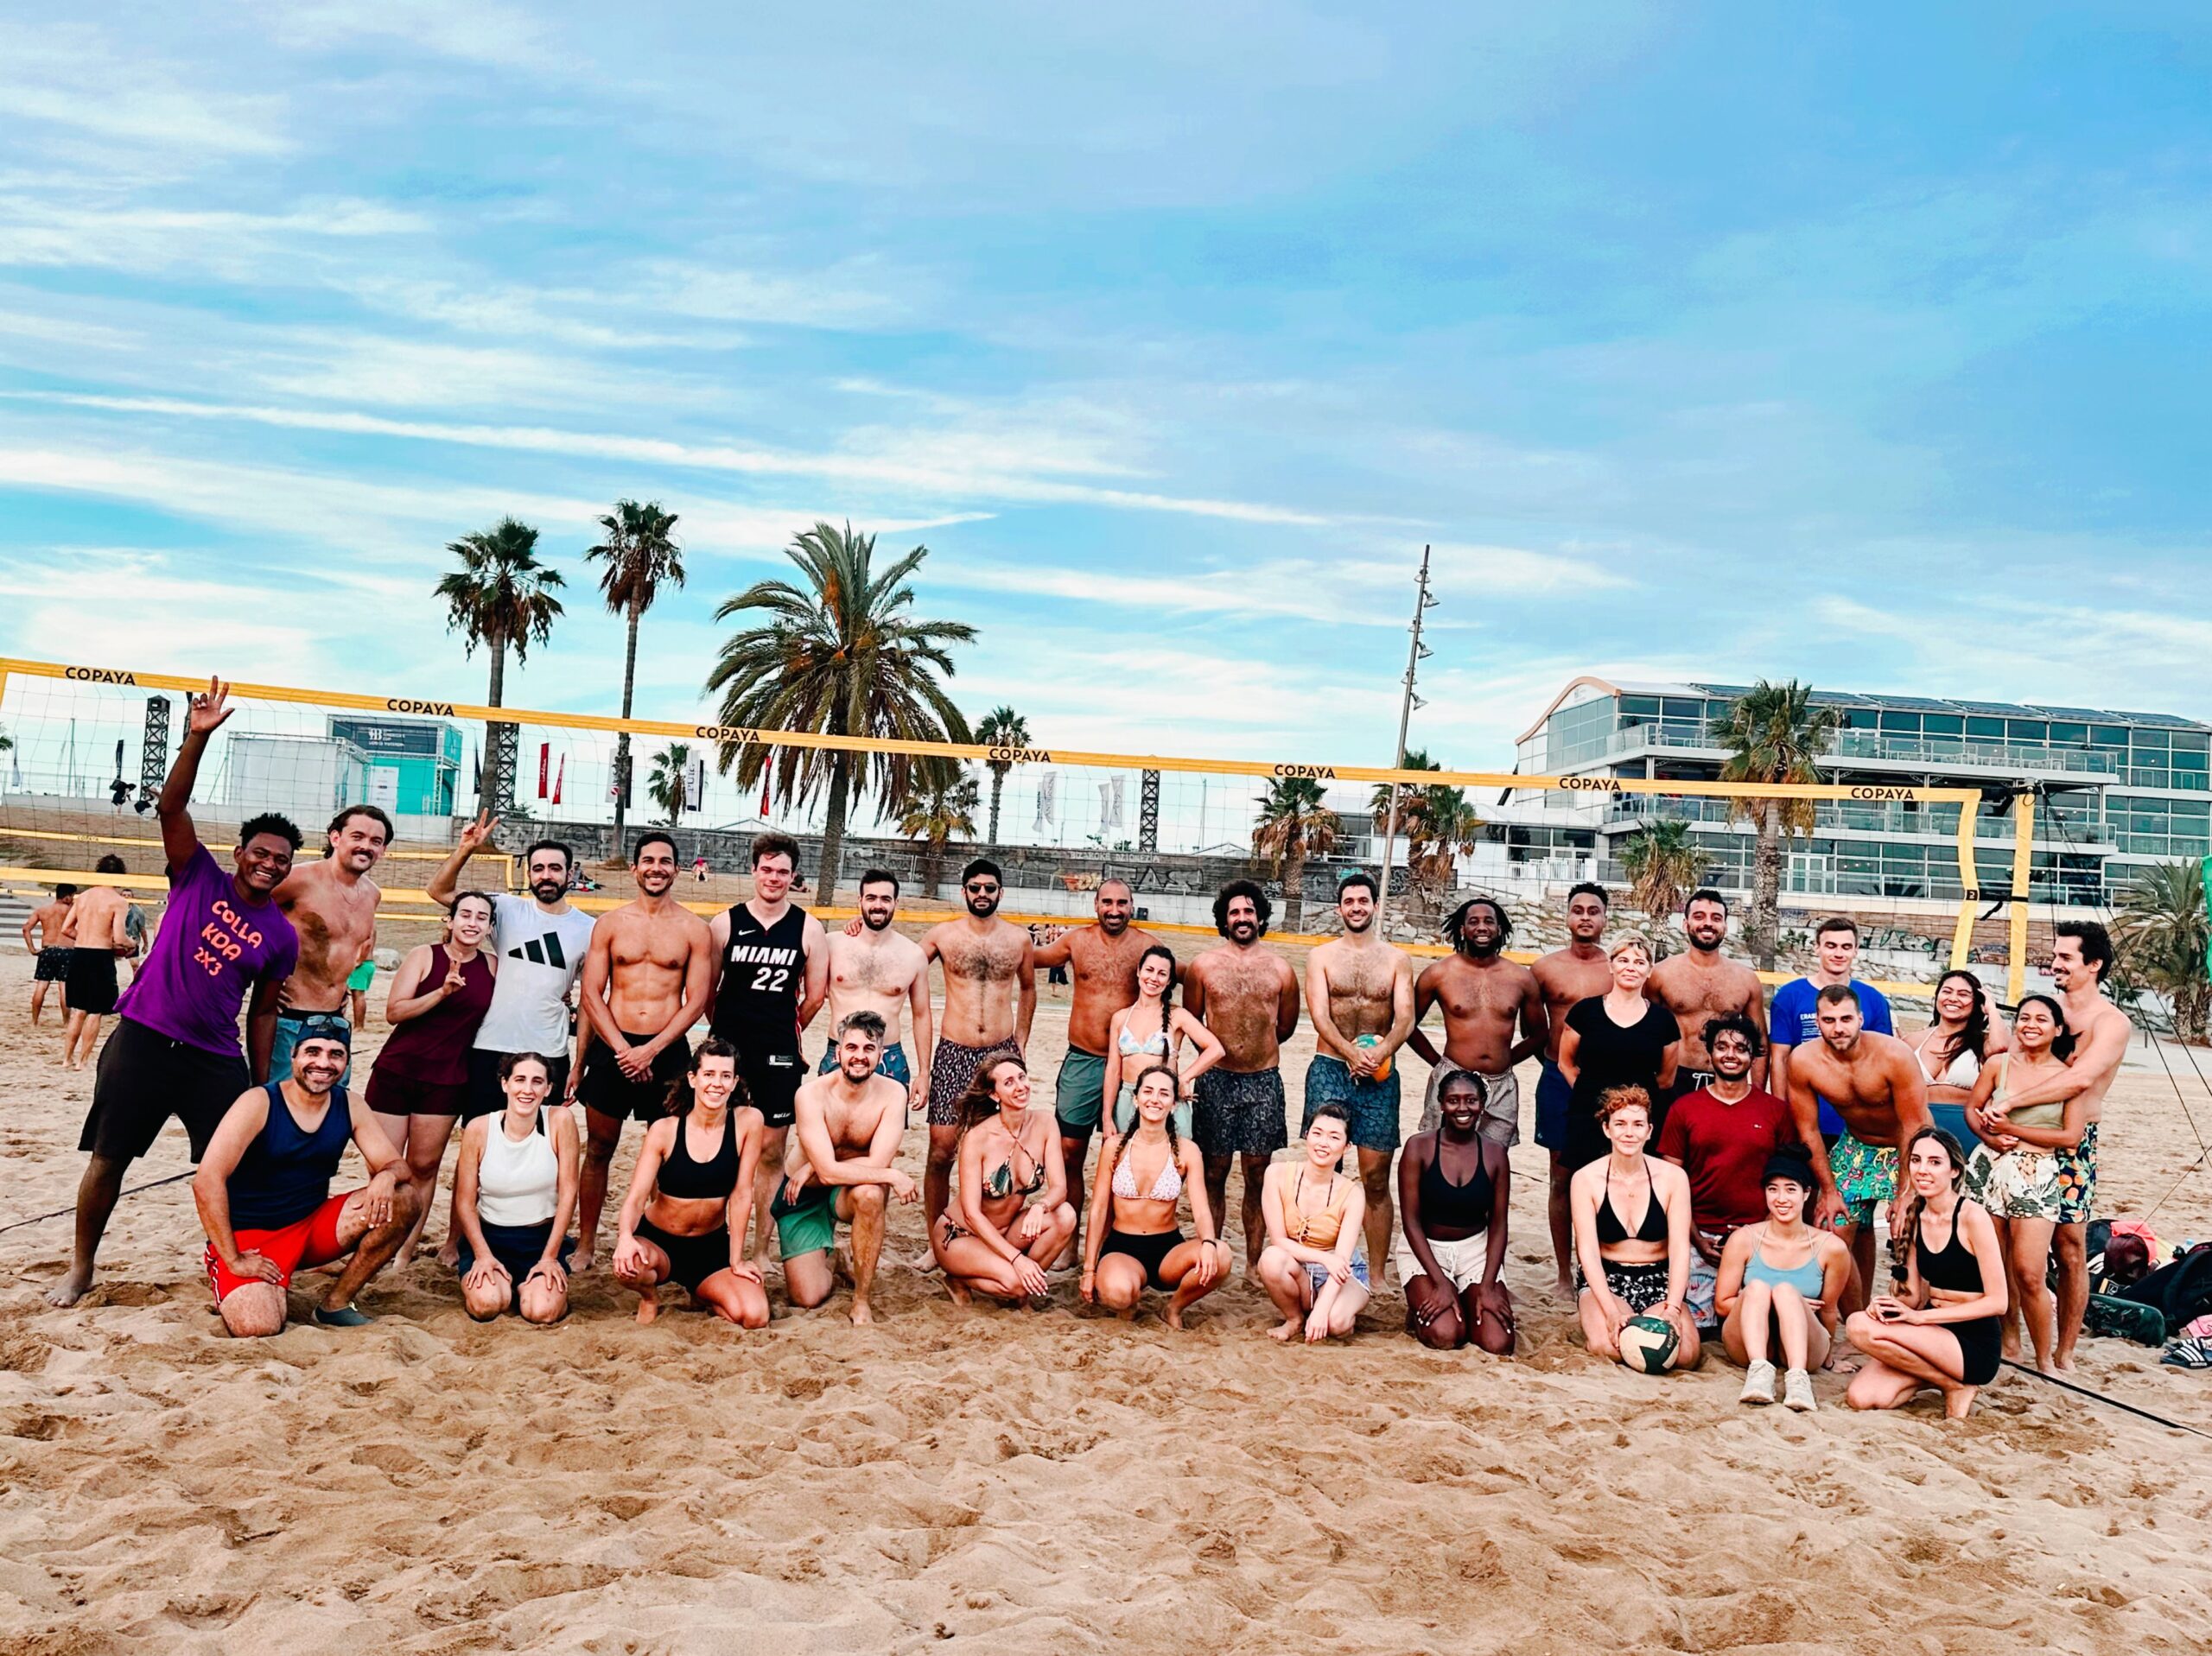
(1080, 1096)
(364, 975)
(1865, 1175)
(807, 1226)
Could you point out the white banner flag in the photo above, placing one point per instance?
(1115, 814)
(1046, 788)
(695, 785)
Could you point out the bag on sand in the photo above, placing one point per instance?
(2179, 1293)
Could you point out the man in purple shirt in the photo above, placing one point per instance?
(176, 1048)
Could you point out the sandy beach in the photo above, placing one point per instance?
(1036, 1481)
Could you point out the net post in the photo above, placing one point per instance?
(1969, 879)
(2024, 834)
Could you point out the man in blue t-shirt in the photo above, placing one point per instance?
(1790, 1019)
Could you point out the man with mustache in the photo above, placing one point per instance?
(331, 904)
(1484, 997)
(1247, 995)
(990, 997)
(1699, 985)
(647, 979)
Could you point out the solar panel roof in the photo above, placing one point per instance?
(1998, 709)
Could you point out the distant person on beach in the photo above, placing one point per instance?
(1566, 978)
(646, 980)
(873, 966)
(1133, 1241)
(1964, 1035)
(1723, 1135)
(1149, 1032)
(98, 938)
(332, 902)
(1486, 998)
(1359, 991)
(1012, 1218)
(990, 997)
(1632, 1234)
(48, 921)
(514, 1185)
(1779, 1285)
(1699, 985)
(263, 1191)
(175, 1049)
(1247, 994)
(842, 1168)
(1315, 1266)
(1455, 1196)
(690, 1194)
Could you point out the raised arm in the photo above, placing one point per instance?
(205, 712)
(474, 836)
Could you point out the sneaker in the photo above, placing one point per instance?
(1797, 1391)
(346, 1316)
(1759, 1383)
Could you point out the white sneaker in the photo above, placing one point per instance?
(1759, 1383)
(1797, 1391)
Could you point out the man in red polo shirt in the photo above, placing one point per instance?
(1721, 1136)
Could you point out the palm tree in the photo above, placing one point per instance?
(2162, 931)
(640, 553)
(666, 786)
(1438, 823)
(1293, 825)
(502, 598)
(943, 805)
(841, 655)
(1662, 862)
(1778, 736)
(1000, 728)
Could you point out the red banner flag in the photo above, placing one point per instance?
(559, 776)
(544, 766)
(765, 780)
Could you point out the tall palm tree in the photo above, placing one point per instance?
(1293, 825)
(1000, 728)
(1437, 822)
(1778, 736)
(640, 553)
(844, 656)
(1662, 862)
(666, 786)
(502, 598)
(943, 805)
(2161, 933)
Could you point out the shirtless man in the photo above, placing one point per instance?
(331, 904)
(2081, 958)
(1360, 992)
(646, 982)
(1483, 996)
(842, 1168)
(1105, 956)
(53, 957)
(990, 997)
(1699, 985)
(1876, 1084)
(97, 938)
(1247, 995)
(1564, 977)
(874, 968)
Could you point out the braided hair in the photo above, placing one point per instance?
(1908, 1229)
(1166, 1007)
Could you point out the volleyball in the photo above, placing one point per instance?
(1647, 1344)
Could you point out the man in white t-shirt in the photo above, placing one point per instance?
(541, 942)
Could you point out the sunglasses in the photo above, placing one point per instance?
(983, 888)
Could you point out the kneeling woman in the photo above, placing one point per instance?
(683, 1219)
(1644, 1266)
(1778, 1284)
(1314, 1266)
(514, 1189)
(1945, 1329)
(1011, 1216)
(1454, 1191)
(1141, 1179)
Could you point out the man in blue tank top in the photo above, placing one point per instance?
(264, 1190)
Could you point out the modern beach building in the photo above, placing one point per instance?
(2117, 790)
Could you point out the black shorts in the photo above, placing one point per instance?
(604, 1087)
(771, 1082)
(53, 965)
(1151, 1252)
(144, 1078)
(91, 983)
(485, 1097)
(691, 1260)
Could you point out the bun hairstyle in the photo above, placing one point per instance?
(980, 1101)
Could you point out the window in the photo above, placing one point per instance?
(2190, 741)
(1988, 728)
(2155, 741)
(1903, 723)
(1941, 724)
(1859, 719)
(2032, 731)
(2070, 735)
(1647, 706)
(2108, 736)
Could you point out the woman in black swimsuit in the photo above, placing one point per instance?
(683, 1219)
(1641, 1269)
(1946, 1330)
(1454, 1191)
(1010, 1217)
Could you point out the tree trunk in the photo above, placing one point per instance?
(622, 742)
(833, 829)
(493, 796)
(932, 867)
(1766, 885)
(1293, 888)
(998, 787)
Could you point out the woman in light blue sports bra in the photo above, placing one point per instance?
(1778, 1284)
(1141, 1035)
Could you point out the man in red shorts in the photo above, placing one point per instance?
(264, 1190)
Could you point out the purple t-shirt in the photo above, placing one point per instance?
(210, 951)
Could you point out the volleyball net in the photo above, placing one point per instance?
(1934, 876)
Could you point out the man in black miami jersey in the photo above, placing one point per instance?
(772, 974)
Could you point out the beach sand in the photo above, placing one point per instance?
(1044, 1482)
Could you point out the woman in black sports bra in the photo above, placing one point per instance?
(1945, 1329)
(1644, 1270)
(683, 1219)
(1454, 1192)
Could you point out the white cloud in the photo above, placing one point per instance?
(246, 247)
(74, 77)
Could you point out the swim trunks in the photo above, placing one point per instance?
(691, 1260)
(1239, 1112)
(952, 1072)
(1079, 1095)
(1150, 1251)
(143, 1077)
(1639, 1287)
(1698, 1299)
(1554, 1095)
(2017, 1183)
(362, 977)
(1500, 1121)
(1865, 1174)
(91, 984)
(605, 1088)
(53, 965)
(892, 1064)
(302, 1245)
(1372, 1105)
(2077, 1179)
(807, 1226)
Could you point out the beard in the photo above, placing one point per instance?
(869, 919)
(1705, 940)
(983, 907)
(549, 891)
(1114, 924)
(1353, 928)
(1243, 931)
(857, 1077)
(1481, 948)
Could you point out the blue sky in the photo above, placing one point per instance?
(1856, 343)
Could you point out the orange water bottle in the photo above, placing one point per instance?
(1382, 1069)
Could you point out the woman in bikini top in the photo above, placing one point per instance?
(1133, 1240)
(1010, 1216)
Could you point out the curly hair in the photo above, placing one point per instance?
(1229, 893)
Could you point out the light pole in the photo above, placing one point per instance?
(1423, 599)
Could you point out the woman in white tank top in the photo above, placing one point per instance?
(514, 1191)
(1953, 1049)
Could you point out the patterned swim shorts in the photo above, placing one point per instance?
(952, 1072)
(2020, 1184)
(1865, 1174)
(1240, 1114)
(2077, 1179)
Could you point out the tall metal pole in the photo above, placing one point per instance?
(1422, 600)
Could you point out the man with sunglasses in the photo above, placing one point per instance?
(990, 996)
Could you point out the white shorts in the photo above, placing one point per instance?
(1463, 1260)
(1500, 1121)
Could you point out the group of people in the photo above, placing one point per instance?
(1715, 1164)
